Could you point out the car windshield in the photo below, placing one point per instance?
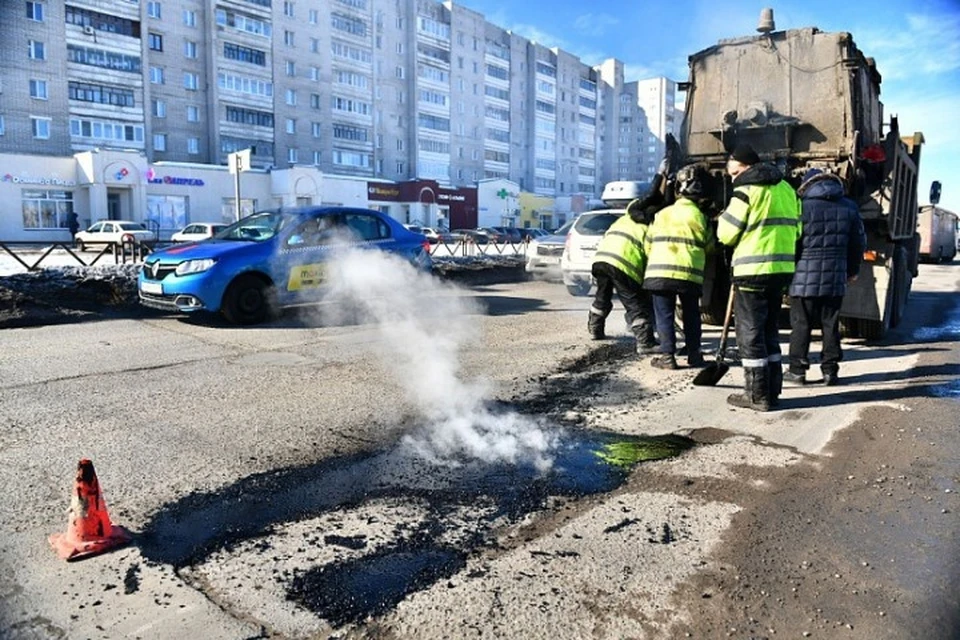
(595, 224)
(132, 226)
(257, 227)
(565, 229)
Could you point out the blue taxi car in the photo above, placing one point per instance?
(268, 260)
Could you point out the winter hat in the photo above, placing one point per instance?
(810, 174)
(744, 154)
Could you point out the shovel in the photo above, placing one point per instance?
(710, 375)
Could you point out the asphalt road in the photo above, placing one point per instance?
(430, 473)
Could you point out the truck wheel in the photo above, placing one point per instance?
(248, 300)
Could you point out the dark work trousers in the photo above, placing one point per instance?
(756, 314)
(636, 301)
(805, 314)
(664, 307)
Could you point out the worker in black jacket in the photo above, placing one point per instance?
(829, 254)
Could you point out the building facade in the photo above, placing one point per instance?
(393, 90)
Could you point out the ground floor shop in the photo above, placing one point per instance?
(39, 194)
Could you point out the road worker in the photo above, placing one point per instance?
(762, 225)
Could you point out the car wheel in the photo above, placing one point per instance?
(580, 289)
(81, 246)
(248, 300)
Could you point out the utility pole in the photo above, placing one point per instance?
(237, 162)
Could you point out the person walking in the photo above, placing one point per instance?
(677, 245)
(762, 225)
(619, 266)
(73, 223)
(828, 257)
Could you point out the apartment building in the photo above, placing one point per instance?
(384, 89)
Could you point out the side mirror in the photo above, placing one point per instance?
(935, 192)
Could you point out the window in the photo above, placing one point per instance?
(1, 125)
(291, 68)
(46, 209)
(288, 9)
(159, 109)
(193, 146)
(191, 81)
(315, 74)
(315, 128)
(41, 128)
(400, 72)
(193, 113)
(348, 24)
(155, 41)
(156, 75)
(316, 157)
(38, 89)
(105, 130)
(153, 10)
(292, 155)
(189, 49)
(314, 45)
(36, 50)
(159, 142)
(291, 97)
(291, 125)
(106, 59)
(288, 38)
(250, 116)
(35, 11)
(313, 16)
(189, 18)
(244, 54)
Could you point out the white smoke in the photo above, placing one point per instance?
(424, 324)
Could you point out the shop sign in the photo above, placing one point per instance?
(153, 178)
(451, 197)
(381, 192)
(51, 181)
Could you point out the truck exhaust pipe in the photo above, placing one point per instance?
(766, 24)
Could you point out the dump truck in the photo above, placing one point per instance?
(938, 234)
(803, 99)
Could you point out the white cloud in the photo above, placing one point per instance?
(923, 45)
(594, 24)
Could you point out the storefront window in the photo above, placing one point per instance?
(169, 212)
(228, 210)
(46, 209)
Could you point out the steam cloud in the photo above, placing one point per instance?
(424, 324)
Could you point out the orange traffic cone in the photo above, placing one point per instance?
(89, 530)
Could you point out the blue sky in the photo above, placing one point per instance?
(916, 44)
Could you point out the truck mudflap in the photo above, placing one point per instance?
(876, 301)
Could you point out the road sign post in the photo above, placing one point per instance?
(237, 162)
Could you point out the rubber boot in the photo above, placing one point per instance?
(775, 382)
(595, 325)
(646, 343)
(755, 392)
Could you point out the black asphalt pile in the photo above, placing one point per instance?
(67, 294)
(70, 294)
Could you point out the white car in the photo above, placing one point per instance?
(576, 264)
(544, 252)
(197, 231)
(113, 232)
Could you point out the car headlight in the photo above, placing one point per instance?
(194, 266)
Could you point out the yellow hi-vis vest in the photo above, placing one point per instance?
(622, 246)
(762, 223)
(677, 243)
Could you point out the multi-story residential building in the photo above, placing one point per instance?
(393, 90)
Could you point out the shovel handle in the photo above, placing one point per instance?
(726, 324)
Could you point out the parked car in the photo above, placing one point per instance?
(476, 236)
(113, 232)
(544, 253)
(197, 231)
(268, 260)
(532, 233)
(509, 234)
(576, 262)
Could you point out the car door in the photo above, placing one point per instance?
(301, 269)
